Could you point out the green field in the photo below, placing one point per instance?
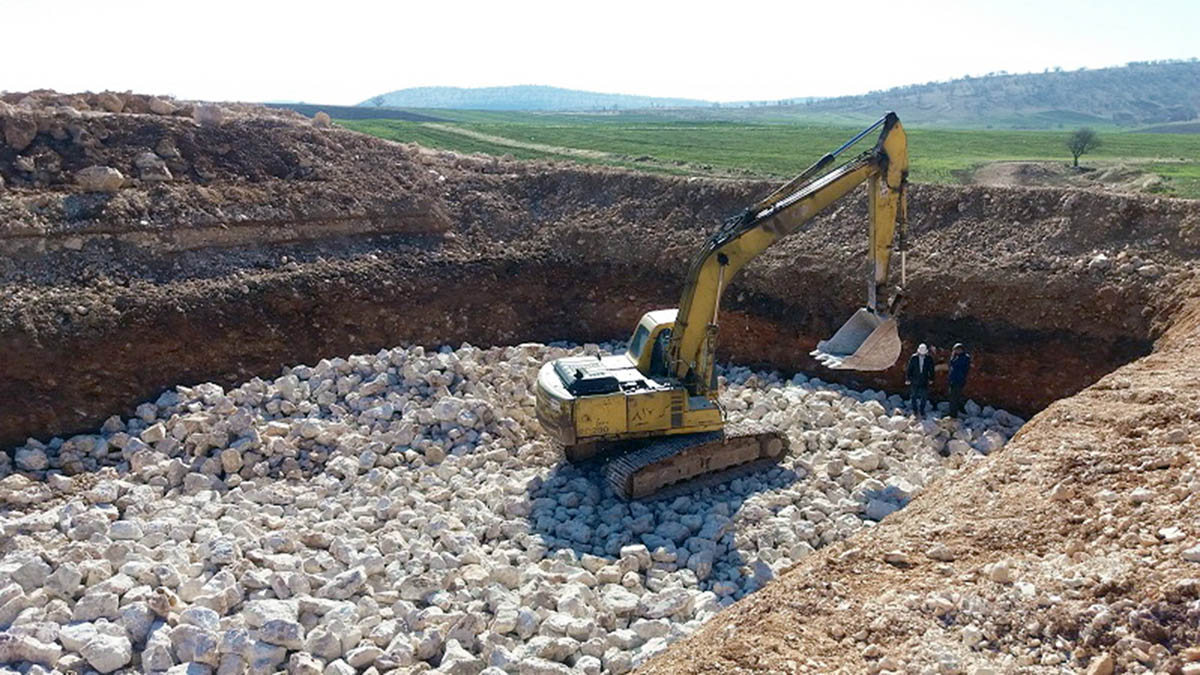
(775, 150)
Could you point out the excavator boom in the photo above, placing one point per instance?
(745, 236)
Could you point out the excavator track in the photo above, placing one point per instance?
(711, 457)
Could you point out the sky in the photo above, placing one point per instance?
(345, 52)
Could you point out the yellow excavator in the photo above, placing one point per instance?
(654, 409)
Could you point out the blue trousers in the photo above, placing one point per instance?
(956, 399)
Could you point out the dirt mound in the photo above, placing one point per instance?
(1118, 178)
(1012, 174)
(76, 131)
(253, 165)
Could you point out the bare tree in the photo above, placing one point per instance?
(378, 101)
(1082, 141)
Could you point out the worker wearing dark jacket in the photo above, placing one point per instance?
(917, 376)
(960, 365)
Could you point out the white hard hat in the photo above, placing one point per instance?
(922, 349)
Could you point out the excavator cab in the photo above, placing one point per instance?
(867, 341)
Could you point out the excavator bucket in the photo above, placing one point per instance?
(866, 342)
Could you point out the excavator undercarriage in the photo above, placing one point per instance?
(666, 466)
(647, 468)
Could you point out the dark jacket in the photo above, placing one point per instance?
(918, 375)
(960, 365)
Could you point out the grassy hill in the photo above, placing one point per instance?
(523, 97)
(777, 150)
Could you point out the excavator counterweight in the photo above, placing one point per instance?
(654, 410)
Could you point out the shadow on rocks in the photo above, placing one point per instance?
(85, 206)
(690, 531)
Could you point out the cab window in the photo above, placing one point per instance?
(658, 356)
(638, 343)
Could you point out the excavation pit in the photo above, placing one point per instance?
(278, 243)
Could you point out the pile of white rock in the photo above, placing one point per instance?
(401, 512)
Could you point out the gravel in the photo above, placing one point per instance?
(402, 511)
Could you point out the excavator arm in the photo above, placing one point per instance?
(692, 345)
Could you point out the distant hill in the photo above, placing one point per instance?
(345, 112)
(1172, 128)
(522, 97)
(1140, 94)
(1134, 94)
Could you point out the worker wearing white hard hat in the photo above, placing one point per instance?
(918, 377)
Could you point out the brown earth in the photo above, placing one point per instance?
(279, 242)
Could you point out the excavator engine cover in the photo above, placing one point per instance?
(585, 376)
(866, 342)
